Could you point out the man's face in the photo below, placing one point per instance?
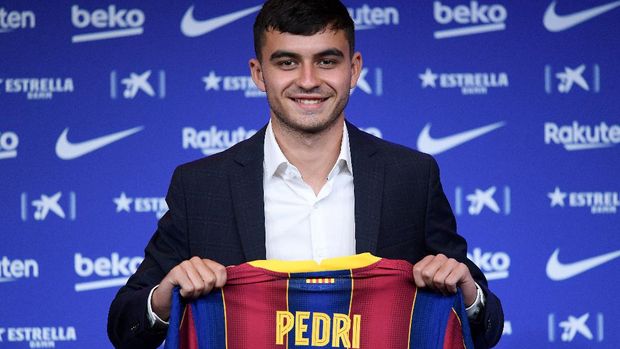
(307, 78)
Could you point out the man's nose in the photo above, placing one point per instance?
(308, 77)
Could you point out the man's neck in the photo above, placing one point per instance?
(314, 155)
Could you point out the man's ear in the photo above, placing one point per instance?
(356, 68)
(257, 74)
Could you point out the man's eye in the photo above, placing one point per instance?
(287, 64)
(327, 62)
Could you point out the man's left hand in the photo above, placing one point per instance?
(444, 275)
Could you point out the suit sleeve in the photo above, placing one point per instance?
(441, 237)
(128, 325)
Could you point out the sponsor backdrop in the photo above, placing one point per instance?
(518, 101)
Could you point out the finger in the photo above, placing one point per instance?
(196, 284)
(178, 276)
(206, 277)
(219, 270)
(418, 269)
(428, 274)
(440, 279)
(456, 277)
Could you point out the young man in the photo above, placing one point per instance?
(309, 185)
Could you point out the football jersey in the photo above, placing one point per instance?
(359, 301)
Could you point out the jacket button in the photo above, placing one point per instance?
(135, 327)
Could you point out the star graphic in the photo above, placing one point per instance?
(212, 81)
(122, 203)
(428, 78)
(557, 197)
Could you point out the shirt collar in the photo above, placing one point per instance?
(275, 159)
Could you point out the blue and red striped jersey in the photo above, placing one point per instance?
(360, 301)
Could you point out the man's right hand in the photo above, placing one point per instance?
(195, 277)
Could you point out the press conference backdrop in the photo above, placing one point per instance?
(517, 100)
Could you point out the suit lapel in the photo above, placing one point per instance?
(246, 182)
(368, 175)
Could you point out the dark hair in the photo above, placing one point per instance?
(302, 17)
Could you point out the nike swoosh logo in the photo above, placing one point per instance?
(556, 23)
(192, 28)
(69, 151)
(558, 271)
(434, 146)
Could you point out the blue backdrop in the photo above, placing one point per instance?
(518, 101)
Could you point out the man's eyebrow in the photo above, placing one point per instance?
(287, 54)
(283, 54)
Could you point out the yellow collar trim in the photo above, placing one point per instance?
(340, 263)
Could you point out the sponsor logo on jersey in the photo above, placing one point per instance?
(483, 200)
(474, 18)
(14, 269)
(106, 23)
(467, 83)
(38, 337)
(192, 27)
(112, 272)
(433, 145)
(582, 137)
(46, 206)
(8, 144)
(145, 83)
(555, 22)
(580, 78)
(244, 83)
(558, 271)
(366, 17)
(156, 205)
(494, 265)
(337, 329)
(213, 140)
(37, 88)
(11, 20)
(580, 328)
(599, 202)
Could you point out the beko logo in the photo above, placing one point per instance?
(495, 265)
(582, 137)
(115, 270)
(474, 19)
(366, 17)
(110, 23)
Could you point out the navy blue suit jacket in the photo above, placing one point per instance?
(217, 212)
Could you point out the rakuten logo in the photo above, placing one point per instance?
(213, 141)
(115, 23)
(115, 269)
(366, 17)
(13, 20)
(8, 145)
(582, 137)
(11, 270)
(494, 265)
(474, 19)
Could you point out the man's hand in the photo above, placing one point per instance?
(444, 275)
(194, 276)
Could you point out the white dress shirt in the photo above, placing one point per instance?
(299, 224)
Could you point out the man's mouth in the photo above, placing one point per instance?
(310, 101)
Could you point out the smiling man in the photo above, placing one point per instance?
(308, 186)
